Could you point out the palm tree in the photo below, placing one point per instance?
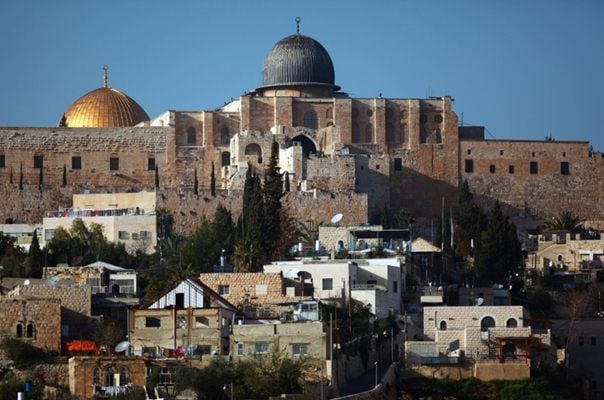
(565, 221)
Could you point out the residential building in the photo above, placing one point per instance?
(22, 233)
(560, 252)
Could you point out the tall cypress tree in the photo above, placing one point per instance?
(156, 176)
(35, 259)
(249, 250)
(213, 181)
(287, 181)
(41, 178)
(272, 193)
(64, 181)
(195, 183)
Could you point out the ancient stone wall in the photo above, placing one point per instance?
(33, 320)
(82, 370)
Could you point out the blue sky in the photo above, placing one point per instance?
(524, 69)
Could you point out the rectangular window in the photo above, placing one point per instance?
(123, 235)
(152, 322)
(38, 162)
(145, 235)
(469, 151)
(469, 166)
(240, 349)
(398, 164)
(134, 236)
(511, 169)
(76, 162)
(327, 283)
(593, 340)
(395, 286)
(492, 169)
(564, 168)
(114, 163)
(49, 234)
(534, 168)
(2, 161)
(261, 348)
(223, 290)
(261, 290)
(151, 164)
(299, 349)
(180, 300)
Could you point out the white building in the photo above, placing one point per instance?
(125, 217)
(375, 282)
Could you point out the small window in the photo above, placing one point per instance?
(511, 169)
(191, 136)
(135, 236)
(224, 290)
(240, 349)
(564, 168)
(469, 151)
(96, 376)
(534, 168)
(145, 235)
(398, 164)
(299, 349)
(533, 154)
(202, 322)
(486, 323)
(443, 325)
(152, 322)
(563, 154)
(2, 161)
(492, 169)
(180, 300)
(38, 162)
(261, 348)
(593, 340)
(327, 283)
(19, 330)
(76, 162)
(377, 166)
(469, 166)
(114, 164)
(151, 164)
(500, 152)
(123, 235)
(395, 286)
(49, 234)
(511, 323)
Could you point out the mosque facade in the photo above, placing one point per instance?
(355, 156)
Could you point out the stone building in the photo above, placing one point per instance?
(564, 251)
(486, 338)
(36, 321)
(359, 155)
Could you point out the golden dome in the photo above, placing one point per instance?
(104, 107)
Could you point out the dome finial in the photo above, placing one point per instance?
(298, 19)
(105, 77)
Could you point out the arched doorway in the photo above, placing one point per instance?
(308, 147)
(253, 149)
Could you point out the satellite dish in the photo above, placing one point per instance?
(26, 282)
(479, 301)
(337, 218)
(122, 346)
(52, 281)
(292, 273)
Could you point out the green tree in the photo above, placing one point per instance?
(213, 181)
(287, 188)
(195, 183)
(249, 252)
(565, 221)
(199, 250)
(499, 254)
(223, 230)
(272, 193)
(35, 259)
(469, 222)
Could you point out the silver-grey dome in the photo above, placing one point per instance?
(298, 60)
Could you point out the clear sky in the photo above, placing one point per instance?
(524, 69)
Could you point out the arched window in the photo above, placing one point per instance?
(109, 376)
(391, 137)
(486, 323)
(225, 135)
(308, 146)
(329, 113)
(368, 133)
(443, 325)
(19, 330)
(310, 120)
(191, 136)
(30, 330)
(511, 323)
(123, 376)
(253, 149)
(225, 159)
(96, 376)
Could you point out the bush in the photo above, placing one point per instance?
(23, 354)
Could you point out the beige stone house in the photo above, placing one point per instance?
(567, 252)
(189, 320)
(492, 342)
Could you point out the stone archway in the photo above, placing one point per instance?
(308, 146)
